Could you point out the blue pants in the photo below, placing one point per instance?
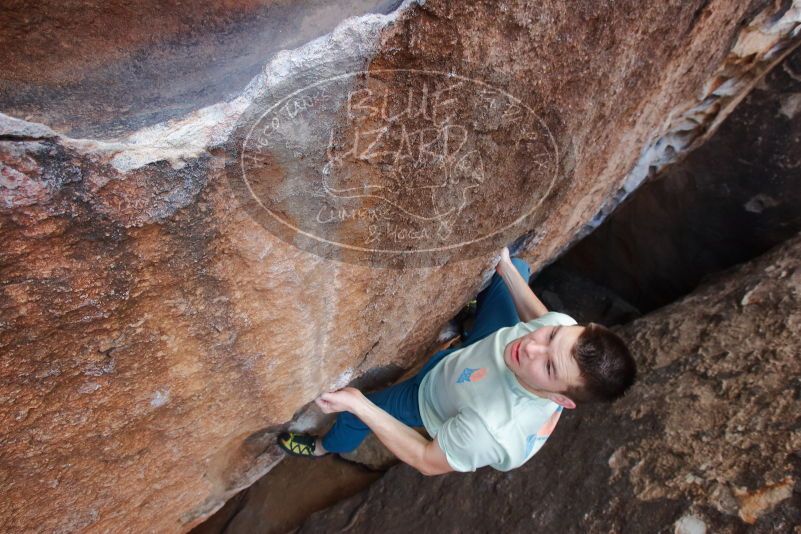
(495, 310)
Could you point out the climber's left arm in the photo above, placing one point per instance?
(409, 446)
(526, 303)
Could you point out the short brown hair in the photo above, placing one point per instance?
(606, 365)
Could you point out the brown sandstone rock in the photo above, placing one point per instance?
(153, 333)
(709, 437)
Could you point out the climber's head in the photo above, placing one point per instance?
(607, 367)
(572, 364)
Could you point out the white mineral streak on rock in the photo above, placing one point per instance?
(160, 397)
(308, 421)
(449, 331)
(757, 47)
(175, 141)
(791, 105)
(759, 203)
(342, 380)
(11, 126)
(179, 140)
(330, 306)
(690, 524)
(89, 387)
(617, 461)
(23, 185)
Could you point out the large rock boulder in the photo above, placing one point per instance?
(156, 325)
(708, 440)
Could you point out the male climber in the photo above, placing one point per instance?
(493, 399)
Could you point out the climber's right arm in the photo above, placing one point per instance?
(404, 442)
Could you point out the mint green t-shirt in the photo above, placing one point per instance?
(477, 410)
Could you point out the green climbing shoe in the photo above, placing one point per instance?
(297, 444)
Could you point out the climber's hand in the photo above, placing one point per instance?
(504, 262)
(343, 400)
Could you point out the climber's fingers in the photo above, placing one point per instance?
(503, 261)
(325, 406)
(339, 401)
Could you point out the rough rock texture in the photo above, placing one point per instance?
(732, 199)
(153, 333)
(709, 437)
(89, 72)
(282, 499)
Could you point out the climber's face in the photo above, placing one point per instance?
(543, 363)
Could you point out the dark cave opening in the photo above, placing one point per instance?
(731, 200)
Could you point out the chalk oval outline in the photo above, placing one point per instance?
(387, 251)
